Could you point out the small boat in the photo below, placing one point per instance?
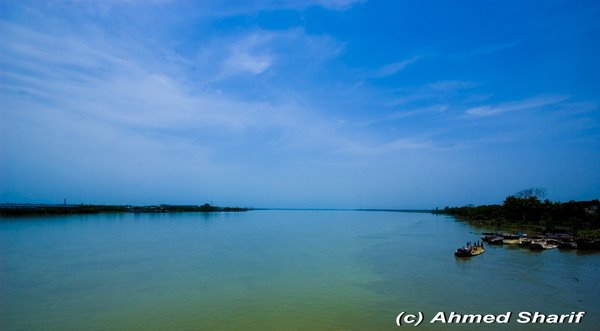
(536, 245)
(525, 242)
(567, 245)
(510, 241)
(559, 236)
(493, 239)
(496, 240)
(469, 251)
(541, 245)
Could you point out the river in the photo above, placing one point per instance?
(276, 270)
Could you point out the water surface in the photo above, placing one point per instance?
(340, 270)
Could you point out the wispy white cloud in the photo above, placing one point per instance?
(396, 145)
(218, 8)
(247, 62)
(394, 68)
(259, 51)
(434, 93)
(530, 103)
(249, 54)
(337, 4)
(397, 115)
(489, 49)
(451, 85)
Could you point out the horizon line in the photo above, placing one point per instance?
(250, 208)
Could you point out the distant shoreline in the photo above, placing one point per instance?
(14, 209)
(354, 209)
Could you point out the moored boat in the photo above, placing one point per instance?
(536, 245)
(567, 245)
(496, 240)
(469, 251)
(525, 242)
(542, 245)
(493, 239)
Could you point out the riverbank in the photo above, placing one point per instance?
(579, 219)
(64, 209)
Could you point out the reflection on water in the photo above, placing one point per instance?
(274, 270)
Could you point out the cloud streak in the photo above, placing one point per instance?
(394, 68)
(397, 145)
(451, 85)
(530, 103)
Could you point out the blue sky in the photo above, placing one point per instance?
(318, 103)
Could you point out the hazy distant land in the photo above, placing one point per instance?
(61, 209)
(57, 209)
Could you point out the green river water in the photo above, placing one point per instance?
(275, 270)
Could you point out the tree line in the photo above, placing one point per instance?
(527, 209)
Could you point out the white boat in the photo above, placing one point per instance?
(541, 245)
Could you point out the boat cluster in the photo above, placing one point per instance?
(535, 242)
(539, 242)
